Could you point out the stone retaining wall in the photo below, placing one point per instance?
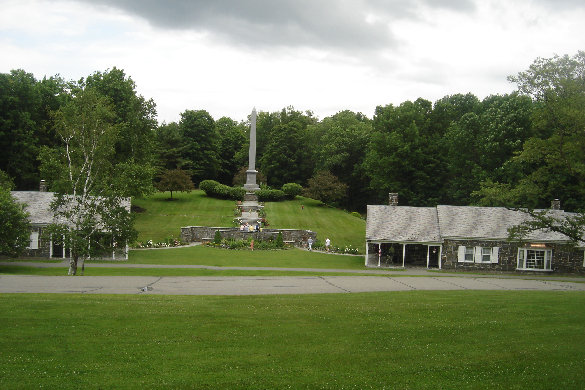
(206, 233)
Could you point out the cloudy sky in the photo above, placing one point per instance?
(227, 56)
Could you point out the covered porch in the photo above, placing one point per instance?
(388, 254)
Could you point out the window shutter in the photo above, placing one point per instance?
(495, 252)
(520, 258)
(461, 254)
(477, 254)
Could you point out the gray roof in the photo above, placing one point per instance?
(38, 205)
(433, 224)
(402, 224)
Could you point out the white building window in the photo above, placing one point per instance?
(478, 254)
(34, 241)
(534, 259)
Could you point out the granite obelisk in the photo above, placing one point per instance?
(250, 206)
(251, 185)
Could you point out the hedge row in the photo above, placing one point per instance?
(215, 189)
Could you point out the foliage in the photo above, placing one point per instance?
(279, 240)
(572, 226)
(217, 190)
(26, 124)
(169, 242)
(14, 225)
(291, 190)
(270, 195)
(339, 143)
(175, 180)
(325, 187)
(90, 211)
(230, 243)
(217, 238)
(282, 147)
(202, 144)
(232, 148)
(6, 181)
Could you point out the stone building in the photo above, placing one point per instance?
(38, 206)
(465, 237)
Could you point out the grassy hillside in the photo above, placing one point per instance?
(163, 218)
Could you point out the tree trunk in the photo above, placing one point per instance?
(73, 265)
(82, 265)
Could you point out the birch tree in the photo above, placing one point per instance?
(91, 215)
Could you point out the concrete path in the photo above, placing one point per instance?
(254, 285)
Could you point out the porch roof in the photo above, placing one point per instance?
(403, 224)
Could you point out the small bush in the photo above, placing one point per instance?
(279, 240)
(292, 190)
(217, 237)
(208, 186)
(266, 195)
(217, 190)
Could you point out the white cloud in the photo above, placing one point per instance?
(361, 54)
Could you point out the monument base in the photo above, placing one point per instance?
(251, 185)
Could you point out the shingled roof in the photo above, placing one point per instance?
(402, 224)
(433, 224)
(38, 205)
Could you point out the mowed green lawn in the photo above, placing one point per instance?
(400, 340)
(163, 218)
(205, 255)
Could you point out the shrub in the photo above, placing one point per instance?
(279, 240)
(292, 190)
(217, 237)
(215, 189)
(208, 186)
(267, 195)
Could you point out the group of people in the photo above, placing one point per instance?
(327, 243)
(246, 227)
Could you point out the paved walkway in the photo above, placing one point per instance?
(397, 280)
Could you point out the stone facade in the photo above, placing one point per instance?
(565, 258)
(295, 237)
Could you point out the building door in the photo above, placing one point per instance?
(434, 252)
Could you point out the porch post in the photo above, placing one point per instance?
(51, 247)
(379, 253)
(403, 254)
(367, 253)
(428, 253)
(440, 255)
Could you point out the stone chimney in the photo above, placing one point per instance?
(555, 204)
(393, 199)
(43, 186)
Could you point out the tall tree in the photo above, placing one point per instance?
(135, 118)
(91, 214)
(14, 223)
(339, 145)
(285, 155)
(232, 142)
(400, 157)
(202, 141)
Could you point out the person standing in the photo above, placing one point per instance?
(327, 243)
(310, 242)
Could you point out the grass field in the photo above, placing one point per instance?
(410, 340)
(163, 218)
(205, 255)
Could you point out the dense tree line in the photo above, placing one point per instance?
(520, 149)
